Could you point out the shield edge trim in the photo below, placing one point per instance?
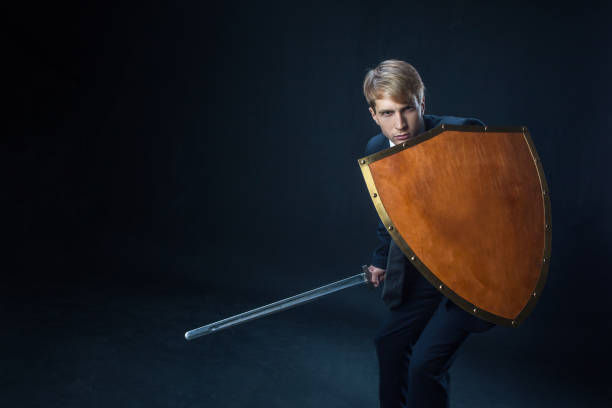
(364, 164)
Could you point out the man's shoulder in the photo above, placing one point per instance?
(376, 144)
(432, 121)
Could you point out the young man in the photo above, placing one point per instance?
(417, 343)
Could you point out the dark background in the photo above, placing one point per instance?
(170, 164)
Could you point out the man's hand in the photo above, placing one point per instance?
(377, 275)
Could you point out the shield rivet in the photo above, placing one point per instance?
(514, 323)
(486, 128)
(544, 260)
(362, 161)
(390, 227)
(534, 294)
(404, 144)
(374, 195)
(475, 310)
(443, 126)
(441, 287)
(547, 227)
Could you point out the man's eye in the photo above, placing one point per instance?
(409, 108)
(386, 113)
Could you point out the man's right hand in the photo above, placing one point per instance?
(377, 275)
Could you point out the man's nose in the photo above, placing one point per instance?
(400, 121)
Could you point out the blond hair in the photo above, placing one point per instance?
(393, 79)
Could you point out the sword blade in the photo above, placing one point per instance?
(279, 306)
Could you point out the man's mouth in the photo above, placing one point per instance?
(404, 136)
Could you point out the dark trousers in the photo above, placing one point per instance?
(417, 344)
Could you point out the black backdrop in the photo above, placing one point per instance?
(209, 150)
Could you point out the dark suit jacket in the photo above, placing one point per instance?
(398, 268)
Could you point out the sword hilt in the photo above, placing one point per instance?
(367, 276)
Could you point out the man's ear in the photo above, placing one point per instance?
(423, 105)
(374, 115)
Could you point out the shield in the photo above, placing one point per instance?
(469, 206)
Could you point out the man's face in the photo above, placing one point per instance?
(399, 122)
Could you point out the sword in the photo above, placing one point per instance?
(279, 306)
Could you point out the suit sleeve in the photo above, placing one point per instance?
(473, 122)
(379, 256)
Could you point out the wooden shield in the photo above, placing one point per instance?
(469, 206)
